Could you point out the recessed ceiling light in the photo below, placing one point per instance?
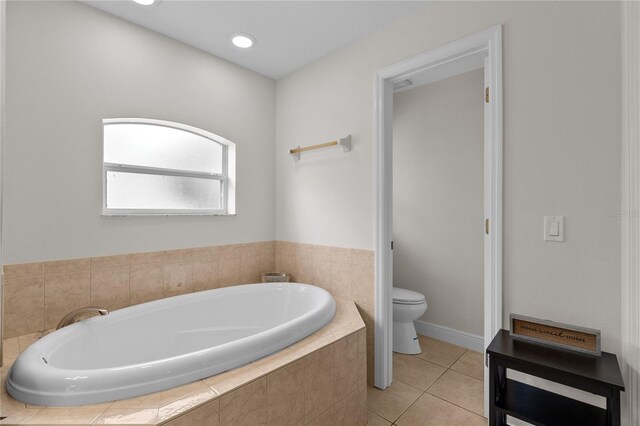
(243, 41)
(145, 2)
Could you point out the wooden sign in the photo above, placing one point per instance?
(579, 339)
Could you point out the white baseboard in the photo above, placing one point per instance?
(449, 335)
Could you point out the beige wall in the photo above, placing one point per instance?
(561, 148)
(68, 67)
(438, 198)
(38, 294)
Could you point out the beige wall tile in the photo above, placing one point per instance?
(245, 406)
(250, 248)
(342, 253)
(15, 412)
(208, 414)
(366, 255)
(319, 250)
(322, 272)
(127, 416)
(230, 249)
(285, 395)
(189, 403)
(106, 262)
(67, 266)
(362, 357)
(177, 256)
(319, 383)
(352, 410)
(10, 351)
(66, 415)
(345, 363)
(146, 282)
(202, 254)
(161, 399)
(267, 256)
(110, 288)
(250, 267)
(342, 277)
(23, 270)
(178, 279)
(285, 245)
(229, 267)
(363, 281)
(286, 261)
(304, 267)
(64, 293)
(205, 275)
(276, 360)
(324, 419)
(367, 314)
(151, 257)
(23, 306)
(229, 380)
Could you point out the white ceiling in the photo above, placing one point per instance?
(289, 34)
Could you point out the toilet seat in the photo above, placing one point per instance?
(402, 296)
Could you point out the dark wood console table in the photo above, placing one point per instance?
(598, 375)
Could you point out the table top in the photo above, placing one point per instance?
(603, 369)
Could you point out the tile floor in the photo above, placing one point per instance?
(441, 386)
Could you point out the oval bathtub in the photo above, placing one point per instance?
(166, 343)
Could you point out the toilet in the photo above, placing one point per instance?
(408, 306)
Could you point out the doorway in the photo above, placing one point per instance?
(446, 61)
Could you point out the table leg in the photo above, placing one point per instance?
(613, 409)
(497, 379)
(492, 391)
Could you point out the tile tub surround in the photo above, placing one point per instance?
(320, 380)
(346, 273)
(38, 295)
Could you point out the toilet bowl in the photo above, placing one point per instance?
(408, 306)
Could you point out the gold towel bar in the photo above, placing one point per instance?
(345, 143)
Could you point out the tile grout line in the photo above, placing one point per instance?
(427, 390)
(452, 403)
(412, 404)
(460, 372)
(424, 391)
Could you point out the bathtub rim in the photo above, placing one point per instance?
(66, 399)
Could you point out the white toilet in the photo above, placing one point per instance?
(408, 306)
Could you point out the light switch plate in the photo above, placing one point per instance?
(551, 225)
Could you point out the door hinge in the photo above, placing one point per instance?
(391, 245)
(486, 94)
(486, 226)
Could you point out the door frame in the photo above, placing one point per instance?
(630, 226)
(489, 42)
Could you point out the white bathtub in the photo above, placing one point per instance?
(166, 343)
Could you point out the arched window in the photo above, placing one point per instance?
(155, 167)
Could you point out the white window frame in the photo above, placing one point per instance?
(227, 177)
